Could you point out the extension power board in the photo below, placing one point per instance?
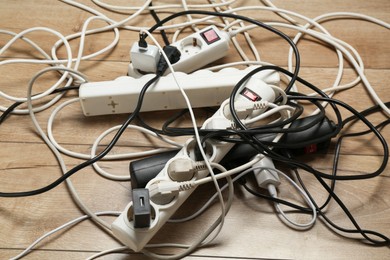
(164, 204)
(204, 88)
(197, 50)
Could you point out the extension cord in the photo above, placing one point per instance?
(197, 50)
(204, 89)
(165, 204)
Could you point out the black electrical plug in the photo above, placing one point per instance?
(173, 55)
(142, 44)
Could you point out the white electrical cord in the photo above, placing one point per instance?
(283, 216)
(57, 154)
(199, 143)
(64, 226)
(115, 8)
(100, 138)
(225, 174)
(114, 25)
(128, 155)
(97, 141)
(47, 61)
(273, 110)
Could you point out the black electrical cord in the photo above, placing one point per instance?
(94, 159)
(333, 102)
(167, 130)
(157, 20)
(12, 107)
(277, 200)
(363, 232)
(243, 18)
(365, 112)
(172, 53)
(319, 209)
(337, 154)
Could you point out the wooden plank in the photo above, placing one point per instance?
(273, 50)
(26, 163)
(25, 219)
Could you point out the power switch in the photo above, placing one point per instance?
(210, 36)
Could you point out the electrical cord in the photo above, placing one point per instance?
(365, 112)
(64, 226)
(320, 175)
(92, 160)
(364, 233)
(220, 220)
(338, 150)
(99, 139)
(333, 102)
(11, 108)
(157, 19)
(194, 22)
(243, 18)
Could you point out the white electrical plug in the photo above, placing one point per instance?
(266, 178)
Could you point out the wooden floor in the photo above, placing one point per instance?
(252, 230)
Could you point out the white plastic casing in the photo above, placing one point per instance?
(144, 60)
(197, 50)
(204, 88)
(163, 209)
(265, 177)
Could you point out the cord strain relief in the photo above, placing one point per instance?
(199, 166)
(260, 104)
(186, 185)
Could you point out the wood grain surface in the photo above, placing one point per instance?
(252, 230)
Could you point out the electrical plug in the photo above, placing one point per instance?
(173, 55)
(180, 171)
(244, 109)
(183, 169)
(265, 177)
(144, 58)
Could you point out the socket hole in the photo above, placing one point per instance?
(194, 153)
(191, 46)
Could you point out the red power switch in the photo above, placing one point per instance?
(210, 36)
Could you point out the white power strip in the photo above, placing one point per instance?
(165, 204)
(204, 89)
(197, 50)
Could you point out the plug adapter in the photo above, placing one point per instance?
(144, 59)
(141, 208)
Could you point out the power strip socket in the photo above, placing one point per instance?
(165, 204)
(204, 89)
(197, 50)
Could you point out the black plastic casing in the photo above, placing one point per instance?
(142, 171)
(314, 139)
(141, 208)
